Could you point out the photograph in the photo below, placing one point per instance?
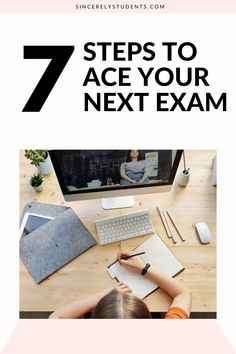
(118, 234)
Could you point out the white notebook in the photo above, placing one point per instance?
(158, 255)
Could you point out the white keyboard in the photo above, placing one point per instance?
(124, 227)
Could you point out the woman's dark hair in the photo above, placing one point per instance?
(117, 304)
(128, 158)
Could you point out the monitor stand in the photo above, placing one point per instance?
(117, 202)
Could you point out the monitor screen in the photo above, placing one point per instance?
(89, 174)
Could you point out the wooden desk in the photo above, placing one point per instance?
(87, 274)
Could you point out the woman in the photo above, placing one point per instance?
(134, 170)
(120, 303)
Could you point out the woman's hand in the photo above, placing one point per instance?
(121, 287)
(134, 262)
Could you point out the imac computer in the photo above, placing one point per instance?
(114, 175)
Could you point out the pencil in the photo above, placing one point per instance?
(168, 226)
(165, 223)
(133, 255)
(175, 225)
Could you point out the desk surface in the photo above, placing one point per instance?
(87, 274)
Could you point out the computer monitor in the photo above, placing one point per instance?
(114, 175)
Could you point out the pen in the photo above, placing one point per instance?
(133, 255)
(127, 257)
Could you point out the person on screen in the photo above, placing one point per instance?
(134, 170)
(119, 302)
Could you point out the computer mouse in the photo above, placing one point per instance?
(203, 232)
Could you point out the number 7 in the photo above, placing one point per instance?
(60, 56)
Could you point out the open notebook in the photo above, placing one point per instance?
(158, 255)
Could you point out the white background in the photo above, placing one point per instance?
(63, 124)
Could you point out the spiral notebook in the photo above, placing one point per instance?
(158, 255)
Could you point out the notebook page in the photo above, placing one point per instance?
(158, 255)
(140, 286)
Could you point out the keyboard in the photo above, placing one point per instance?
(124, 227)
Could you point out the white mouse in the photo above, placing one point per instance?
(203, 232)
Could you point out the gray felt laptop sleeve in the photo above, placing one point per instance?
(55, 243)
